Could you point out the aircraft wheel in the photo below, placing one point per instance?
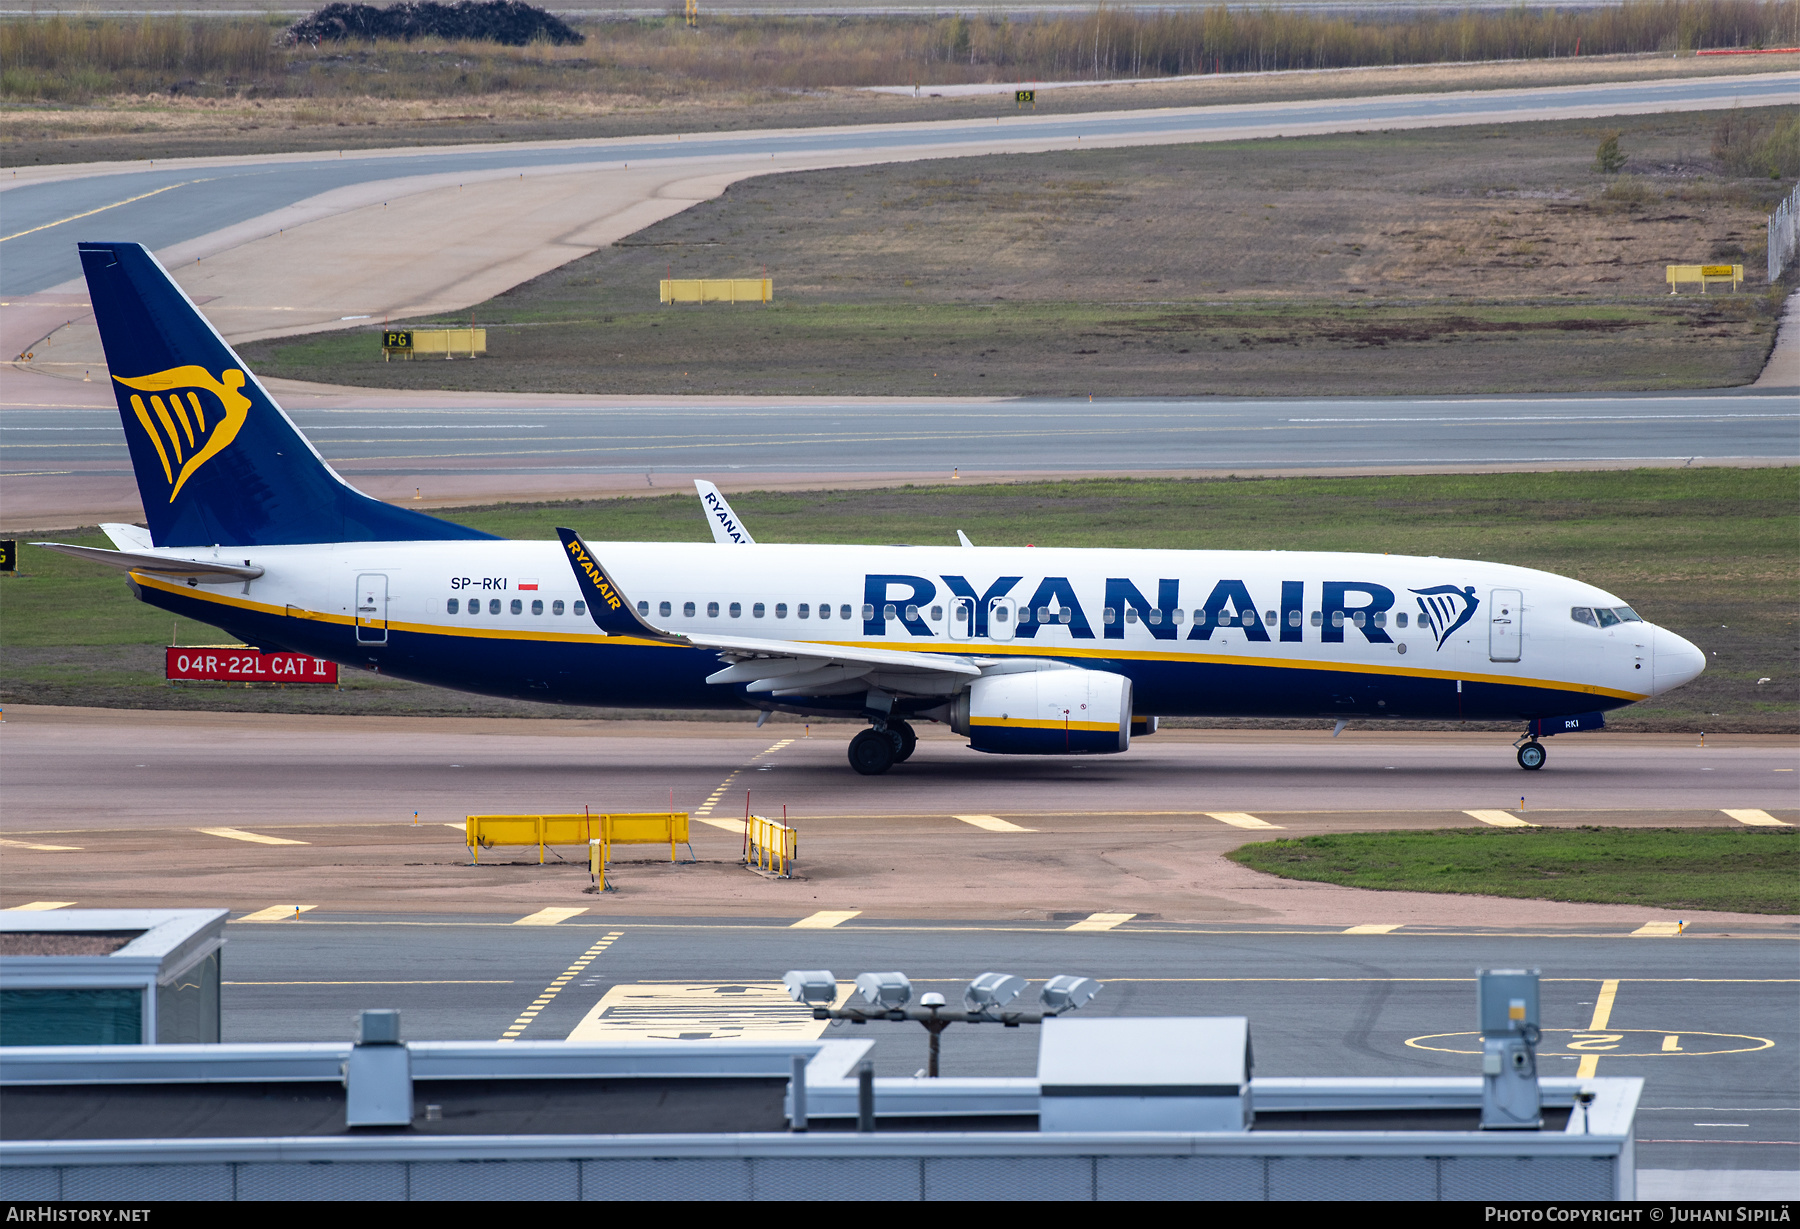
(1532, 756)
(872, 753)
(906, 741)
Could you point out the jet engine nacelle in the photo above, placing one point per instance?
(1046, 712)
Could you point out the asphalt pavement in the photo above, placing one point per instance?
(163, 206)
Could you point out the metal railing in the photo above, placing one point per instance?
(1784, 234)
(770, 846)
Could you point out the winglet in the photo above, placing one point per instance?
(727, 528)
(606, 602)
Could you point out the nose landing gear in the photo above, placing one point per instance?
(874, 751)
(1532, 755)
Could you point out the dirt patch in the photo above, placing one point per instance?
(1478, 259)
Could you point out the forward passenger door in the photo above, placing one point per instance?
(1505, 623)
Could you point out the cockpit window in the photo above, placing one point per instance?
(1627, 614)
(1607, 617)
(1584, 614)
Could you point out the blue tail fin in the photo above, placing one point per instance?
(216, 459)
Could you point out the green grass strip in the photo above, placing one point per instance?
(1738, 870)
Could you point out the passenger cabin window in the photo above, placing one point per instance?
(912, 614)
(518, 607)
(664, 609)
(737, 610)
(1399, 619)
(1584, 614)
(580, 608)
(844, 611)
(1318, 618)
(494, 606)
(781, 610)
(1131, 614)
(1608, 618)
(452, 606)
(802, 611)
(1380, 618)
(824, 610)
(756, 611)
(937, 613)
(1109, 616)
(889, 611)
(1362, 619)
(474, 606)
(712, 610)
(998, 614)
(1337, 618)
(643, 609)
(537, 606)
(687, 610)
(556, 607)
(1294, 618)
(1176, 615)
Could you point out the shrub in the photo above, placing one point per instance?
(1608, 159)
(1746, 145)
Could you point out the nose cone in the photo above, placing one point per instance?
(1674, 661)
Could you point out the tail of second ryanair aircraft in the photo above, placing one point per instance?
(217, 461)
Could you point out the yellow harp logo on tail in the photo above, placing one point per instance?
(189, 416)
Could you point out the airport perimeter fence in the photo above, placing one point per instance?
(1784, 234)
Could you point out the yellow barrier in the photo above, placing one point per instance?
(1704, 275)
(599, 853)
(717, 290)
(770, 846)
(447, 342)
(648, 828)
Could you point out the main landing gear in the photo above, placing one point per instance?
(1532, 755)
(874, 751)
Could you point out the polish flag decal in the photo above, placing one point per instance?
(528, 584)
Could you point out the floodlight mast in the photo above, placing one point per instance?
(984, 1002)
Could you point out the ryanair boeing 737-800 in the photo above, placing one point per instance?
(1021, 650)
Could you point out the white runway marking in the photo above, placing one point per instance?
(1101, 921)
(39, 906)
(991, 823)
(1499, 819)
(42, 848)
(1238, 819)
(238, 834)
(1375, 928)
(277, 913)
(550, 917)
(1757, 819)
(825, 919)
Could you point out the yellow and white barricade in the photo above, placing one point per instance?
(770, 847)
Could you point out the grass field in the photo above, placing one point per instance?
(1482, 259)
(1727, 869)
(1712, 553)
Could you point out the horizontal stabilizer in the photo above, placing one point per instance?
(160, 564)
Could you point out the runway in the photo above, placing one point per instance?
(67, 464)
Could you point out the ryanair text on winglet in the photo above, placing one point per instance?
(594, 574)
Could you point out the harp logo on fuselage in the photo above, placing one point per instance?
(189, 416)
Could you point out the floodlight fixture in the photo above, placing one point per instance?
(810, 986)
(992, 991)
(884, 990)
(1066, 992)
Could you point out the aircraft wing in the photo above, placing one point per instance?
(774, 667)
(727, 528)
(159, 564)
(794, 668)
